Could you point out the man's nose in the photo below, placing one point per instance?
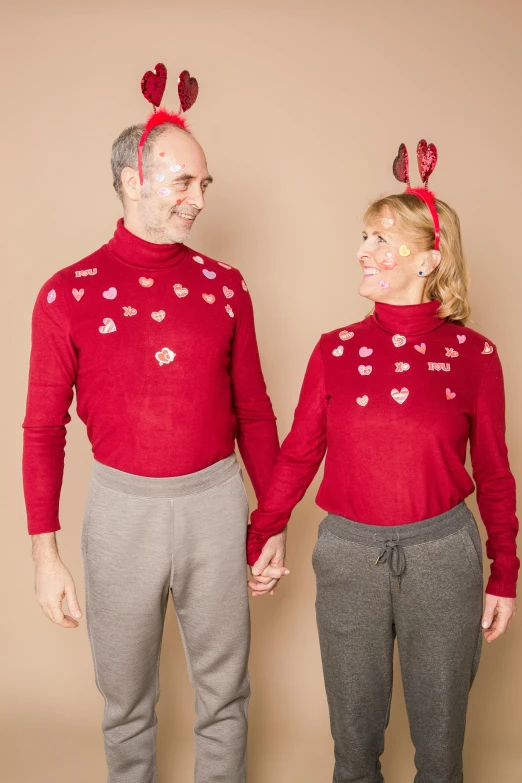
(195, 197)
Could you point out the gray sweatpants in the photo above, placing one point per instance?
(143, 538)
(421, 583)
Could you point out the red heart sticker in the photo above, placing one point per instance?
(187, 90)
(426, 159)
(153, 84)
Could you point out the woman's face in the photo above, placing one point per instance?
(390, 265)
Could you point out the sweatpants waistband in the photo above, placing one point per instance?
(170, 487)
(408, 535)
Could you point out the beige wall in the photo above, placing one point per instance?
(301, 110)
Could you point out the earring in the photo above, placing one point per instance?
(421, 272)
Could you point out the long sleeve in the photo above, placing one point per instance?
(299, 459)
(495, 482)
(52, 376)
(256, 424)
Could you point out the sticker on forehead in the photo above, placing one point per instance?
(177, 167)
(164, 192)
(160, 177)
(387, 222)
(404, 251)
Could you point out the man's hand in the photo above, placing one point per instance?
(497, 616)
(53, 582)
(270, 566)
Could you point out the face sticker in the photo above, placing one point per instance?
(208, 274)
(404, 251)
(178, 201)
(365, 369)
(450, 395)
(400, 396)
(165, 356)
(158, 316)
(338, 351)
(162, 154)
(383, 285)
(51, 296)
(78, 293)
(228, 292)
(164, 192)
(180, 291)
(108, 326)
(365, 352)
(177, 167)
(362, 401)
(387, 222)
(160, 177)
(111, 293)
(129, 311)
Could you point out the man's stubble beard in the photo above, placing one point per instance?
(154, 223)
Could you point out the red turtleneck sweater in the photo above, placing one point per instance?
(159, 342)
(393, 401)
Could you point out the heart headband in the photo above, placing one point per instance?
(426, 160)
(153, 86)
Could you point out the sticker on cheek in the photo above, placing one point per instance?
(164, 192)
(160, 177)
(404, 251)
(389, 262)
(178, 201)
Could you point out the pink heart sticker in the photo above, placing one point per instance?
(158, 316)
(228, 292)
(487, 348)
(180, 291)
(146, 282)
(108, 326)
(364, 351)
(398, 340)
(383, 285)
(165, 356)
(365, 369)
(210, 298)
(78, 293)
(338, 351)
(400, 396)
(51, 296)
(344, 335)
(111, 293)
(450, 395)
(198, 259)
(461, 338)
(421, 348)
(362, 401)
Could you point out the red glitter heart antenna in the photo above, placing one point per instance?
(427, 160)
(153, 86)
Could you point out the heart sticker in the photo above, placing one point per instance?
(225, 266)
(208, 274)
(244, 285)
(229, 311)
(111, 293)
(108, 326)
(210, 298)
(421, 348)
(51, 296)
(158, 316)
(180, 291)
(461, 338)
(146, 282)
(362, 401)
(364, 351)
(187, 90)
(153, 84)
(398, 340)
(365, 369)
(450, 395)
(198, 259)
(228, 292)
(344, 335)
(78, 293)
(487, 348)
(165, 356)
(400, 396)
(338, 351)
(383, 285)
(129, 311)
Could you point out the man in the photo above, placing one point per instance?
(160, 344)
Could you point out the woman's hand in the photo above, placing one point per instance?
(497, 616)
(270, 567)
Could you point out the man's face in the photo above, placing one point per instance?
(174, 184)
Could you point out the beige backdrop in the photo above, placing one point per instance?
(301, 110)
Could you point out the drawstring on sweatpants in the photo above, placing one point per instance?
(393, 553)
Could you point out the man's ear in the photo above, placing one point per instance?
(130, 183)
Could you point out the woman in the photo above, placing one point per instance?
(393, 400)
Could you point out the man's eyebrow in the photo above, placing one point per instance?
(187, 177)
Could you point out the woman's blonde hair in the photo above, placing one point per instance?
(449, 282)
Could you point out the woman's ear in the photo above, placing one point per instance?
(432, 261)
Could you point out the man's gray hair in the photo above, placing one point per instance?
(125, 150)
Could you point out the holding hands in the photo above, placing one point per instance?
(270, 567)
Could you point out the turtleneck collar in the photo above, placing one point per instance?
(408, 319)
(138, 252)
